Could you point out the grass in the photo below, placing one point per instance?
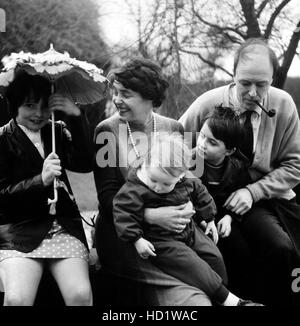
(83, 186)
(84, 190)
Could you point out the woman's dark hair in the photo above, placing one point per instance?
(144, 77)
(26, 87)
(246, 49)
(225, 126)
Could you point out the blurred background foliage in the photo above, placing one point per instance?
(71, 25)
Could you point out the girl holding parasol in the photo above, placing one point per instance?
(34, 234)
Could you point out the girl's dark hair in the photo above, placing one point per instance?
(225, 126)
(26, 87)
(144, 77)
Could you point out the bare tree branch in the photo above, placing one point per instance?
(273, 17)
(261, 8)
(154, 21)
(176, 42)
(288, 57)
(208, 62)
(218, 27)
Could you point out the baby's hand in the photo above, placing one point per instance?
(144, 248)
(212, 229)
(224, 226)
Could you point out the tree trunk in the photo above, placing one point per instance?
(248, 8)
(289, 54)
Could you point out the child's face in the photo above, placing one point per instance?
(159, 181)
(210, 148)
(33, 115)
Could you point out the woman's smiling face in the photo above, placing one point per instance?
(130, 104)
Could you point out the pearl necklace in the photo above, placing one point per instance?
(133, 143)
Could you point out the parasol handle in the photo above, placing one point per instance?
(54, 200)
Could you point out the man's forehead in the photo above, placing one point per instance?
(257, 49)
(257, 63)
(255, 53)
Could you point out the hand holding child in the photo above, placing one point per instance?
(224, 226)
(144, 248)
(172, 218)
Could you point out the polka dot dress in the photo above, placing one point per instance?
(57, 244)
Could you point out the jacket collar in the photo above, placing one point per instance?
(23, 142)
(232, 169)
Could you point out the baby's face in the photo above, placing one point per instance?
(159, 181)
(210, 148)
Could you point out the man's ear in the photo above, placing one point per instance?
(230, 151)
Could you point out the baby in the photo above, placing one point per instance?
(190, 256)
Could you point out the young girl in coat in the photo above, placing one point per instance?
(33, 234)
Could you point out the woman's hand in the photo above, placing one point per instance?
(144, 248)
(58, 102)
(212, 229)
(51, 169)
(171, 218)
(224, 226)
